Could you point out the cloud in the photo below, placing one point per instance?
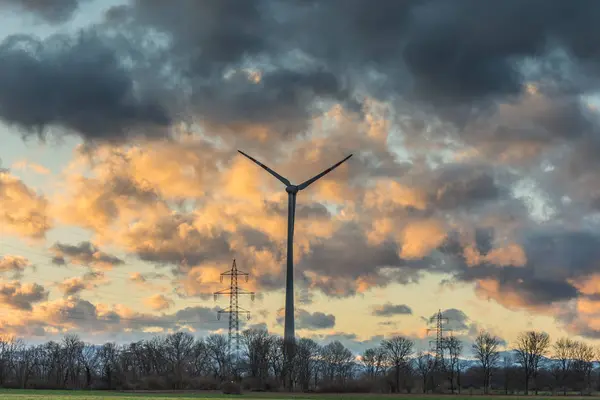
(22, 211)
(309, 321)
(58, 12)
(389, 309)
(550, 265)
(22, 296)
(261, 326)
(239, 71)
(346, 263)
(457, 320)
(86, 89)
(30, 166)
(15, 264)
(420, 237)
(74, 286)
(84, 253)
(472, 158)
(73, 313)
(464, 185)
(158, 302)
(141, 278)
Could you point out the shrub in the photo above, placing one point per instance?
(204, 383)
(231, 387)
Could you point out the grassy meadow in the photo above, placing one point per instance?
(96, 395)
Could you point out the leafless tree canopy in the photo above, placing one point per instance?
(183, 361)
(486, 350)
(530, 347)
(454, 347)
(398, 350)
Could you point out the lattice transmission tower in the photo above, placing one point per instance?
(440, 341)
(234, 310)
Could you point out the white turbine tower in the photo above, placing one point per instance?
(292, 190)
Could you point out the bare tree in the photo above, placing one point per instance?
(564, 352)
(398, 350)
(486, 351)
(531, 346)
(276, 359)
(8, 346)
(454, 347)
(178, 360)
(338, 362)
(425, 365)
(217, 350)
(307, 352)
(257, 344)
(583, 360)
(73, 348)
(178, 350)
(89, 360)
(374, 361)
(200, 360)
(507, 363)
(108, 360)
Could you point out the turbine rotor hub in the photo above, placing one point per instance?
(292, 189)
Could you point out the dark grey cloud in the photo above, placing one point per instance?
(208, 52)
(161, 244)
(54, 12)
(389, 309)
(205, 35)
(84, 253)
(347, 256)
(310, 320)
(435, 49)
(78, 84)
(316, 320)
(456, 320)
(303, 211)
(555, 258)
(257, 240)
(86, 317)
(445, 52)
(464, 186)
(281, 100)
(483, 240)
(563, 254)
(454, 57)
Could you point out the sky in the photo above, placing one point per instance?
(472, 186)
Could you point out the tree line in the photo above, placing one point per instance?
(181, 361)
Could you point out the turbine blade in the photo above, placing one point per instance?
(269, 170)
(322, 174)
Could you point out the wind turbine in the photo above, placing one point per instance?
(292, 190)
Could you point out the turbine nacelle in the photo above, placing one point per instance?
(292, 189)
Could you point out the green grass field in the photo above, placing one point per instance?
(96, 395)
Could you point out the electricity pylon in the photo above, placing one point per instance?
(234, 310)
